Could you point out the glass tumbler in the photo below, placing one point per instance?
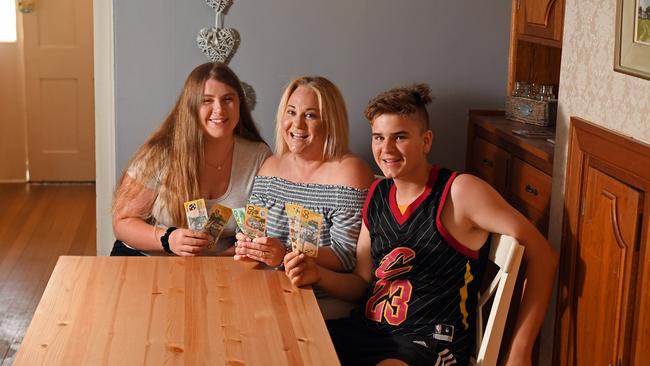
(546, 92)
(519, 90)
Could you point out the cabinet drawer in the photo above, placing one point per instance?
(530, 185)
(490, 163)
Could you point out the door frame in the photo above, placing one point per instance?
(104, 122)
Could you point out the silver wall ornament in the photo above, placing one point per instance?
(219, 6)
(219, 44)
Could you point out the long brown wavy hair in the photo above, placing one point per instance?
(173, 154)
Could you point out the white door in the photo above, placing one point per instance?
(58, 49)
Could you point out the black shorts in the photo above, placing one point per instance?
(121, 250)
(356, 344)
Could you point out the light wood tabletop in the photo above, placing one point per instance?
(173, 311)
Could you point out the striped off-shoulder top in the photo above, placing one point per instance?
(340, 206)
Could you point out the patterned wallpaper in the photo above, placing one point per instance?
(592, 90)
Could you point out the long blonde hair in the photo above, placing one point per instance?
(332, 111)
(174, 152)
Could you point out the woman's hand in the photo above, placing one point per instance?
(263, 249)
(301, 269)
(188, 243)
(240, 252)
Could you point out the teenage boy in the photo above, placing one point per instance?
(419, 257)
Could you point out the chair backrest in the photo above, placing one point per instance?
(506, 253)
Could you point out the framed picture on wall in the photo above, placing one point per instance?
(633, 38)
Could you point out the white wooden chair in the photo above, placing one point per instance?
(506, 253)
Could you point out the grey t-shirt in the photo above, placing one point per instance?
(248, 157)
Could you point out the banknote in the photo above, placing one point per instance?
(196, 214)
(255, 221)
(219, 216)
(294, 214)
(310, 226)
(240, 215)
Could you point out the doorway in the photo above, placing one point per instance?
(54, 69)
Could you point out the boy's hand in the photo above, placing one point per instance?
(301, 269)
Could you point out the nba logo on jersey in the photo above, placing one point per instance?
(444, 332)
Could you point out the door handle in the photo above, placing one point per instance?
(26, 6)
(532, 190)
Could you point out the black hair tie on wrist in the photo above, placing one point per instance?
(164, 240)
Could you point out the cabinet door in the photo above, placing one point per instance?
(604, 269)
(490, 163)
(540, 18)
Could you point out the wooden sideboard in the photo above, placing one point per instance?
(517, 167)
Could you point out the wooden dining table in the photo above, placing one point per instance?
(174, 311)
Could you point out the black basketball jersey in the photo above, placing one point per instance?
(425, 282)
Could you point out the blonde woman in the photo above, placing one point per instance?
(208, 147)
(312, 167)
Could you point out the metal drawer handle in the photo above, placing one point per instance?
(532, 190)
(487, 162)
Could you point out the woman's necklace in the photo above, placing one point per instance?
(221, 164)
(216, 166)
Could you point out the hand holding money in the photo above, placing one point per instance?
(196, 214)
(262, 249)
(255, 221)
(240, 216)
(304, 229)
(241, 254)
(219, 216)
(188, 243)
(210, 226)
(310, 226)
(301, 269)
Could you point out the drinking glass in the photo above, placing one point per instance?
(533, 90)
(519, 89)
(546, 92)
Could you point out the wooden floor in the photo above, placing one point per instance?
(38, 223)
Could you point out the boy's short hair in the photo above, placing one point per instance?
(408, 100)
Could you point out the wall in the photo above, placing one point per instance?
(590, 89)
(364, 46)
(12, 116)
